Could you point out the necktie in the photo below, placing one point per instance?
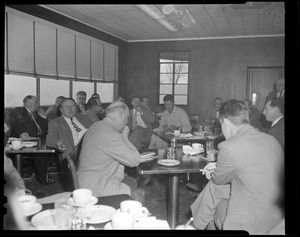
(36, 124)
(217, 114)
(78, 129)
(134, 119)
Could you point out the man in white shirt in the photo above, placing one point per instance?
(66, 131)
(173, 118)
(274, 112)
(139, 123)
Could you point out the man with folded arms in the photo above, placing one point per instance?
(66, 131)
(139, 123)
(105, 152)
(245, 186)
(173, 118)
(274, 112)
(30, 121)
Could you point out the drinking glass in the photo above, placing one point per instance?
(170, 153)
(63, 214)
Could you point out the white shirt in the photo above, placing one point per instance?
(139, 118)
(76, 136)
(276, 121)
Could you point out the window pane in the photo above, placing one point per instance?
(161, 98)
(181, 78)
(180, 100)
(166, 78)
(16, 88)
(181, 68)
(166, 68)
(181, 89)
(50, 89)
(165, 89)
(88, 87)
(106, 92)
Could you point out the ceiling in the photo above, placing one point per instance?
(130, 23)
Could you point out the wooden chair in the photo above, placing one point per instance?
(69, 174)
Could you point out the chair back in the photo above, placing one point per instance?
(69, 174)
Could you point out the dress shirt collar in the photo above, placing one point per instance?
(276, 121)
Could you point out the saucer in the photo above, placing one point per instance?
(92, 202)
(36, 208)
(29, 144)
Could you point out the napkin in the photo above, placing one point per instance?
(186, 135)
(188, 150)
(145, 155)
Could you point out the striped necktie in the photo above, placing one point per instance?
(36, 124)
(78, 129)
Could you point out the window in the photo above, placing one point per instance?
(106, 92)
(50, 89)
(174, 74)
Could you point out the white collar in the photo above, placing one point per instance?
(276, 121)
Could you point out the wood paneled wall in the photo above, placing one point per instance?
(218, 67)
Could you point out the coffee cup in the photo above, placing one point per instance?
(16, 144)
(122, 221)
(135, 208)
(82, 196)
(27, 202)
(177, 133)
(197, 146)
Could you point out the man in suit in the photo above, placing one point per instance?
(279, 91)
(30, 121)
(66, 131)
(93, 109)
(54, 111)
(105, 151)
(139, 123)
(80, 101)
(274, 112)
(245, 186)
(173, 118)
(254, 115)
(212, 114)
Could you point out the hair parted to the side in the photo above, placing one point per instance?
(169, 98)
(236, 111)
(277, 102)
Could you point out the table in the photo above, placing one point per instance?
(17, 155)
(188, 164)
(113, 201)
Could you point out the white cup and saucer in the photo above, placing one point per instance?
(198, 147)
(28, 205)
(83, 197)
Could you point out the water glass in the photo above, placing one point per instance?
(79, 218)
(209, 146)
(63, 214)
(170, 153)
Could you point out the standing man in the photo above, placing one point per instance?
(245, 187)
(139, 123)
(172, 118)
(53, 111)
(279, 91)
(105, 152)
(80, 100)
(274, 112)
(66, 131)
(30, 121)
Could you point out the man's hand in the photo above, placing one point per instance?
(126, 131)
(173, 127)
(41, 112)
(208, 169)
(61, 146)
(24, 135)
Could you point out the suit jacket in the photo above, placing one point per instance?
(147, 117)
(104, 153)
(22, 121)
(277, 131)
(272, 95)
(58, 129)
(248, 166)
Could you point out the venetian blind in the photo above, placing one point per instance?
(109, 63)
(97, 61)
(83, 58)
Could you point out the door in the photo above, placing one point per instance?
(260, 81)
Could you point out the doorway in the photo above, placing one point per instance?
(260, 81)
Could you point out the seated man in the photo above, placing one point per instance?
(240, 194)
(274, 112)
(105, 152)
(66, 131)
(53, 111)
(254, 115)
(93, 108)
(211, 115)
(30, 121)
(80, 101)
(173, 118)
(139, 123)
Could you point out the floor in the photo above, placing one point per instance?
(152, 193)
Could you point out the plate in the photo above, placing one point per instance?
(99, 214)
(92, 202)
(44, 220)
(29, 144)
(21, 146)
(30, 139)
(168, 162)
(36, 208)
(154, 225)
